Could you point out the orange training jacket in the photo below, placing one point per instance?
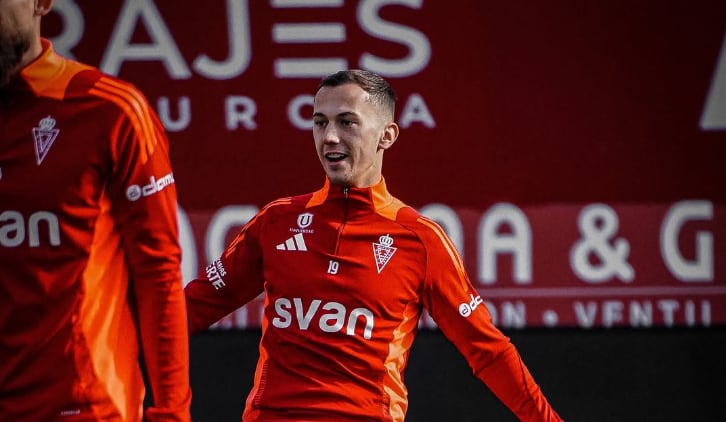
(89, 256)
(346, 273)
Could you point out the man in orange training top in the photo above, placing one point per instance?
(89, 257)
(346, 272)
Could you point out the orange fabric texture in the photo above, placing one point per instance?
(89, 256)
(346, 273)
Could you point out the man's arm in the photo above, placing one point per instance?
(144, 201)
(229, 282)
(462, 316)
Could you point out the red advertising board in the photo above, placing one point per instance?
(574, 151)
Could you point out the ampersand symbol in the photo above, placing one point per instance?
(598, 223)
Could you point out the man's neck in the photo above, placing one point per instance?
(35, 50)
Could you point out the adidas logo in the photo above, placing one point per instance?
(294, 243)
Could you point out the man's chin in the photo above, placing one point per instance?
(338, 178)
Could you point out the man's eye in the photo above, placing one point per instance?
(346, 122)
(319, 123)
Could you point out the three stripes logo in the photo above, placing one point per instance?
(293, 243)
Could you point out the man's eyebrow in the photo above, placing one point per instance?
(343, 114)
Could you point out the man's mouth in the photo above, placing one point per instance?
(335, 156)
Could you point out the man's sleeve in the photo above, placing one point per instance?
(229, 282)
(144, 203)
(460, 313)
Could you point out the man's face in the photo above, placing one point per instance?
(350, 135)
(16, 35)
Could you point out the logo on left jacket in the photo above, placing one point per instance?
(44, 135)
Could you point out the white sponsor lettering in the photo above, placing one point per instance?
(687, 256)
(414, 111)
(643, 313)
(162, 46)
(14, 230)
(701, 267)
(215, 273)
(517, 242)
(332, 321)
(416, 41)
(465, 309)
(598, 224)
(183, 113)
(240, 111)
(509, 314)
(135, 192)
(239, 39)
(296, 114)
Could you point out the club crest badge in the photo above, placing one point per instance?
(304, 220)
(383, 251)
(44, 136)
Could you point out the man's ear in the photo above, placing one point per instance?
(390, 134)
(42, 7)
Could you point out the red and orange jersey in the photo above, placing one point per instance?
(346, 274)
(89, 255)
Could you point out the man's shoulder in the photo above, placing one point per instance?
(114, 95)
(287, 204)
(80, 79)
(91, 81)
(425, 228)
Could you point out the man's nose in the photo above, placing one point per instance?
(330, 136)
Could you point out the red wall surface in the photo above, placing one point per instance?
(574, 151)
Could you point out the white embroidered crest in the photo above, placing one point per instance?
(383, 251)
(44, 136)
(304, 220)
